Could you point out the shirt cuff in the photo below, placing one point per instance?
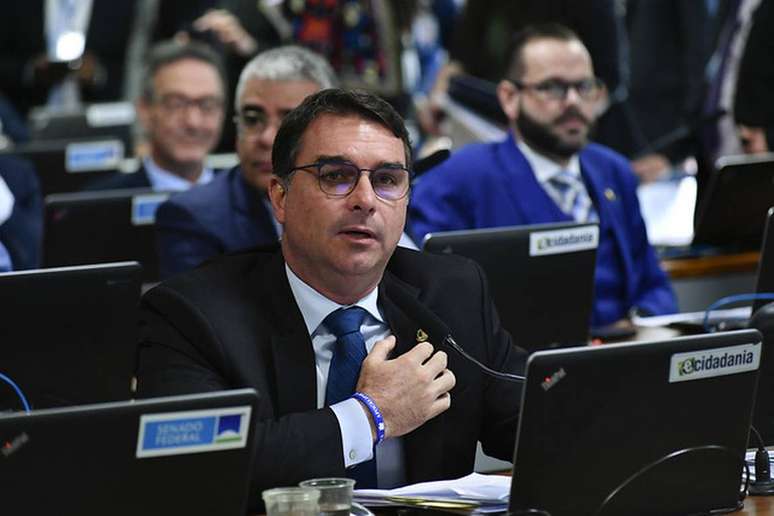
(356, 440)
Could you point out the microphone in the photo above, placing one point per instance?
(438, 330)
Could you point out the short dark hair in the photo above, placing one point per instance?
(528, 34)
(172, 51)
(333, 101)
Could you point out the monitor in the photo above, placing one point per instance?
(105, 120)
(102, 226)
(187, 455)
(765, 279)
(721, 219)
(541, 277)
(651, 427)
(69, 165)
(68, 335)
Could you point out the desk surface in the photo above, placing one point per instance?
(711, 265)
(757, 506)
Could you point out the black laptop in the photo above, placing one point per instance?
(733, 208)
(102, 226)
(186, 455)
(69, 165)
(637, 428)
(541, 277)
(68, 335)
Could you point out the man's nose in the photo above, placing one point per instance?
(362, 196)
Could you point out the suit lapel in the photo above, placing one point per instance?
(423, 448)
(607, 200)
(254, 222)
(292, 352)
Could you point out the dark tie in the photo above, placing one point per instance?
(348, 355)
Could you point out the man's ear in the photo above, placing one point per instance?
(278, 195)
(143, 109)
(508, 95)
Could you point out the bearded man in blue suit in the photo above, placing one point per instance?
(547, 171)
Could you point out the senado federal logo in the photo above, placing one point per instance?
(563, 240)
(714, 362)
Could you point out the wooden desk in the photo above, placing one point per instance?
(757, 506)
(711, 265)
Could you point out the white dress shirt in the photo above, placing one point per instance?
(164, 181)
(545, 169)
(357, 442)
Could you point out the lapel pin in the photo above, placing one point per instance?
(610, 194)
(421, 335)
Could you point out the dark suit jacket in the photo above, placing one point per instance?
(22, 233)
(22, 38)
(120, 181)
(223, 216)
(234, 323)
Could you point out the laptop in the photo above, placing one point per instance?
(541, 277)
(102, 226)
(187, 455)
(636, 428)
(69, 335)
(105, 120)
(69, 165)
(734, 206)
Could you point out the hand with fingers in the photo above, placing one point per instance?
(409, 389)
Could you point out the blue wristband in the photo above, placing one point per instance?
(375, 413)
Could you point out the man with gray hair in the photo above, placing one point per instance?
(232, 212)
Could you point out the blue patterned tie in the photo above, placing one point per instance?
(344, 372)
(573, 199)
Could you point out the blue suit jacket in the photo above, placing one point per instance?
(489, 185)
(22, 233)
(120, 181)
(223, 216)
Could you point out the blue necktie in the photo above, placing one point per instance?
(573, 199)
(344, 372)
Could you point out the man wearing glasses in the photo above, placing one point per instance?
(349, 382)
(181, 111)
(233, 212)
(547, 171)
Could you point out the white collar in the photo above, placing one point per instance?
(315, 307)
(545, 168)
(165, 181)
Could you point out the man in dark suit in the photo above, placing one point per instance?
(271, 319)
(233, 212)
(181, 110)
(21, 214)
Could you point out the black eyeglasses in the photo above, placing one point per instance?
(556, 89)
(175, 104)
(339, 178)
(254, 121)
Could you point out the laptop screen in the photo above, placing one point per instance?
(659, 427)
(541, 277)
(69, 335)
(187, 455)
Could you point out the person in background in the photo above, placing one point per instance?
(181, 110)
(233, 211)
(21, 215)
(547, 171)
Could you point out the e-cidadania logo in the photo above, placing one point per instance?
(710, 362)
(563, 240)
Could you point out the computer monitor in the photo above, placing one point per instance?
(651, 427)
(102, 226)
(186, 455)
(69, 165)
(721, 219)
(104, 120)
(765, 280)
(541, 277)
(68, 336)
